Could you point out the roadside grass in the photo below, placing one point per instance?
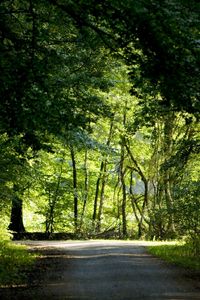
(15, 262)
(179, 253)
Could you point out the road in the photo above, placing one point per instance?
(104, 270)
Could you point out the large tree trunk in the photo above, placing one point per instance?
(16, 219)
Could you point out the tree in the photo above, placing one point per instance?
(37, 100)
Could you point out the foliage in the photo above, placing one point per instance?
(159, 42)
(55, 72)
(187, 206)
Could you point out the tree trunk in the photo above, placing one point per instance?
(16, 220)
(122, 179)
(168, 152)
(138, 169)
(74, 188)
(133, 199)
(86, 186)
(97, 193)
(101, 202)
(170, 204)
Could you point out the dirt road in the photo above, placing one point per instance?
(102, 270)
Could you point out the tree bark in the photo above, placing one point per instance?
(86, 187)
(97, 193)
(122, 180)
(74, 171)
(101, 202)
(168, 152)
(16, 220)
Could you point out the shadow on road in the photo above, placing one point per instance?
(102, 270)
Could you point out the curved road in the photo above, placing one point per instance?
(105, 270)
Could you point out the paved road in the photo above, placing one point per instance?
(107, 270)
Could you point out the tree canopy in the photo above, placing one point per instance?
(99, 117)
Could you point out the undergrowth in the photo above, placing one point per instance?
(179, 253)
(15, 261)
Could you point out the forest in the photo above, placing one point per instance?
(99, 118)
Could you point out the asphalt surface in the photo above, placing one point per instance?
(103, 270)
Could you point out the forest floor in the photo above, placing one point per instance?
(102, 270)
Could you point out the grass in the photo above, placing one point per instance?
(15, 261)
(178, 253)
